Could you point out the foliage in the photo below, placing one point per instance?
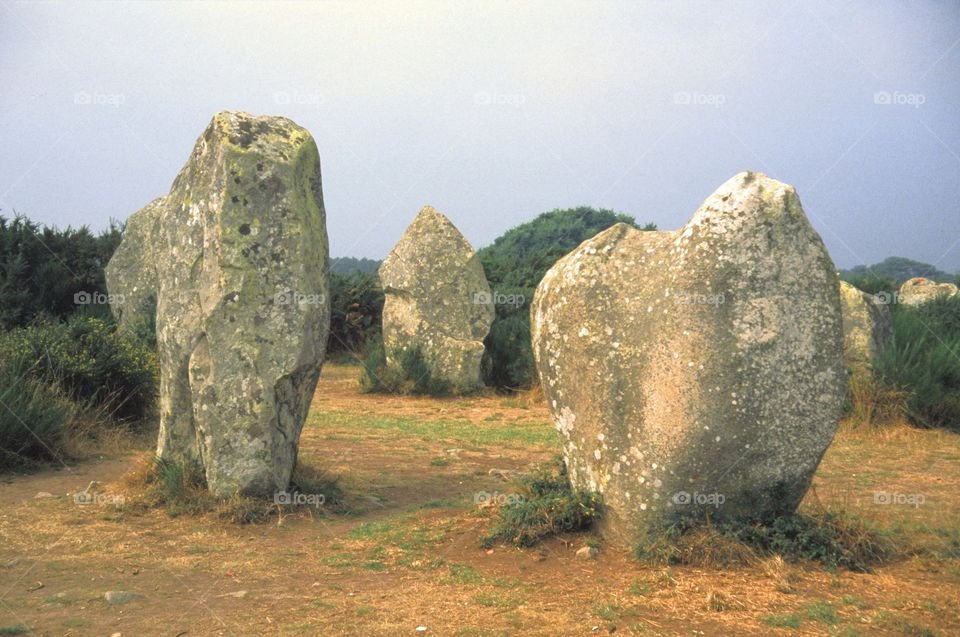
(549, 505)
(356, 308)
(885, 288)
(349, 265)
(91, 362)
(34, 416)
(411, 373)
(923, 360)
(899, 269)
(514, 265)
(835, 540)
(42, 269)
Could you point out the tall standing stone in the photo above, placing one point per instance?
(437, 296)
(236, 256)
(697, 370)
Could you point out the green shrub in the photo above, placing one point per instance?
(829, 538)
(92, 362)
(34, 417)
(549, 505)
(923, 360)
(356, 308)
(411, 373)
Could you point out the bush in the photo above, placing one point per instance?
(356, 310)
(91, 362)
(411, 374)
(549, 506)
(923, 360)
(34, 417)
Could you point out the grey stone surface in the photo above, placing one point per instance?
(699, 370)
(919, 290)
(236, 256)
(436, 295)
(867, 326)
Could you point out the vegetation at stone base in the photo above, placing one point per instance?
(514, 265)
(180, 488)
(42, 268)
(356, 309)
(923, 362)
(349, 265)
(899, 269)
(549, 505)
(62, 382)
(833, 539)
(413, 375)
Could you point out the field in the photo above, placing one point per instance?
(400, 555)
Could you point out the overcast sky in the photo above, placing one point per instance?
(494, 112)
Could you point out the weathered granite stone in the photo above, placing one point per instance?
(919, 290)
(697, 370)
(867, 326)
(236, 255)
(436, 295)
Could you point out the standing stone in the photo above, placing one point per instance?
(697, 370)
(236, 256)
(919, 290)
(436, 295)
(867, 326)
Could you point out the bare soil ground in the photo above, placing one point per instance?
(404, 558)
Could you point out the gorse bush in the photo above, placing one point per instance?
(409, 373)
(549, 505)
(91, 362)
(923, 361)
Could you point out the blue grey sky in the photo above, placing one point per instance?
(494, 112)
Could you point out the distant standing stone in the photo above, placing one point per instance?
(920, 290)
(436, 295)
(867, 326)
